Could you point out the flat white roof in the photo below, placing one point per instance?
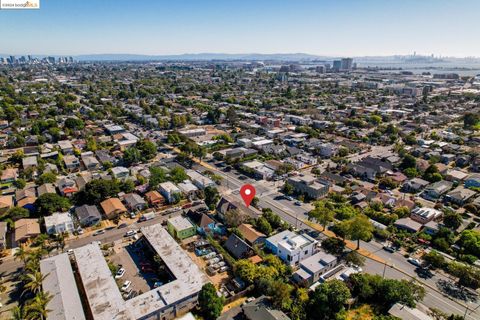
(103, 295)
(58, 218)
(189, 279)
(180, 223)
(60, 283)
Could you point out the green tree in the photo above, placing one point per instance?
(157, 176)
(471, 120)
(132, 155)
(37, 307)
(74, 124)
(211, 197)
(288, 188)
(20, 183)
(274, 219)
(469, 241)
(17, 213)
(375, 120)
(91, 144)
(98, 190)
(322, 213)
(127, 186)
(435, 259)
(328, 299)
(353, 257)
(432, 174)
(255, 201)
(147, 149)
(452, 220)
(178, 175)
(232, 116)
(49, 203)
(411, 172)
(47, 177)
(385, 292)
(209, 302)
(34, 282)
(18, 313)
(21, 254)
(263, 226)
(360, 228)
(280, 292)
(246, 270)
(333, 246)
(408, 161)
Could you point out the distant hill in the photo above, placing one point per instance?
(199, 57)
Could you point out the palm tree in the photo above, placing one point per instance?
(21, 254)
(32, 265)
(18, 313)
(37, 307)
(34, 282)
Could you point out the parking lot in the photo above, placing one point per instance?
(141, 268)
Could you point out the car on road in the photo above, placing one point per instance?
(289, 198)
(70, 252)
(99, 232)
(415, 262)
(130, 233)
(314, 234)
(298, 203)
(123, 225)
(424, 273)
(242, 178)
(120, 273)
(126, 285)
(390, 249)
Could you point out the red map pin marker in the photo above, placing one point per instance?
(247, 192)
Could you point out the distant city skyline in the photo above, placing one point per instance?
(323, 28)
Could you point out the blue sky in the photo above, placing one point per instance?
(341, 27)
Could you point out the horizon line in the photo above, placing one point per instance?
(247, 53)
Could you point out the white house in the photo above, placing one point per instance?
(58, 223)
(168, 189)
(120, 173)
(200, 180)
(295, 249)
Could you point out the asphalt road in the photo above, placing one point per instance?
(397, 265)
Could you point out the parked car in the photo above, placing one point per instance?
(298, 203)
(70, 252)
(120, 273)
(99, 232)
(130, 233)
(415, 262)
(126, 285)
(389, 249)
(289, 198)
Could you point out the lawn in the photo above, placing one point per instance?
(363, 312)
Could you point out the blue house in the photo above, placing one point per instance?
(473, 180)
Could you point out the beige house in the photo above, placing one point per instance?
(113, 207)
(26, 229)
